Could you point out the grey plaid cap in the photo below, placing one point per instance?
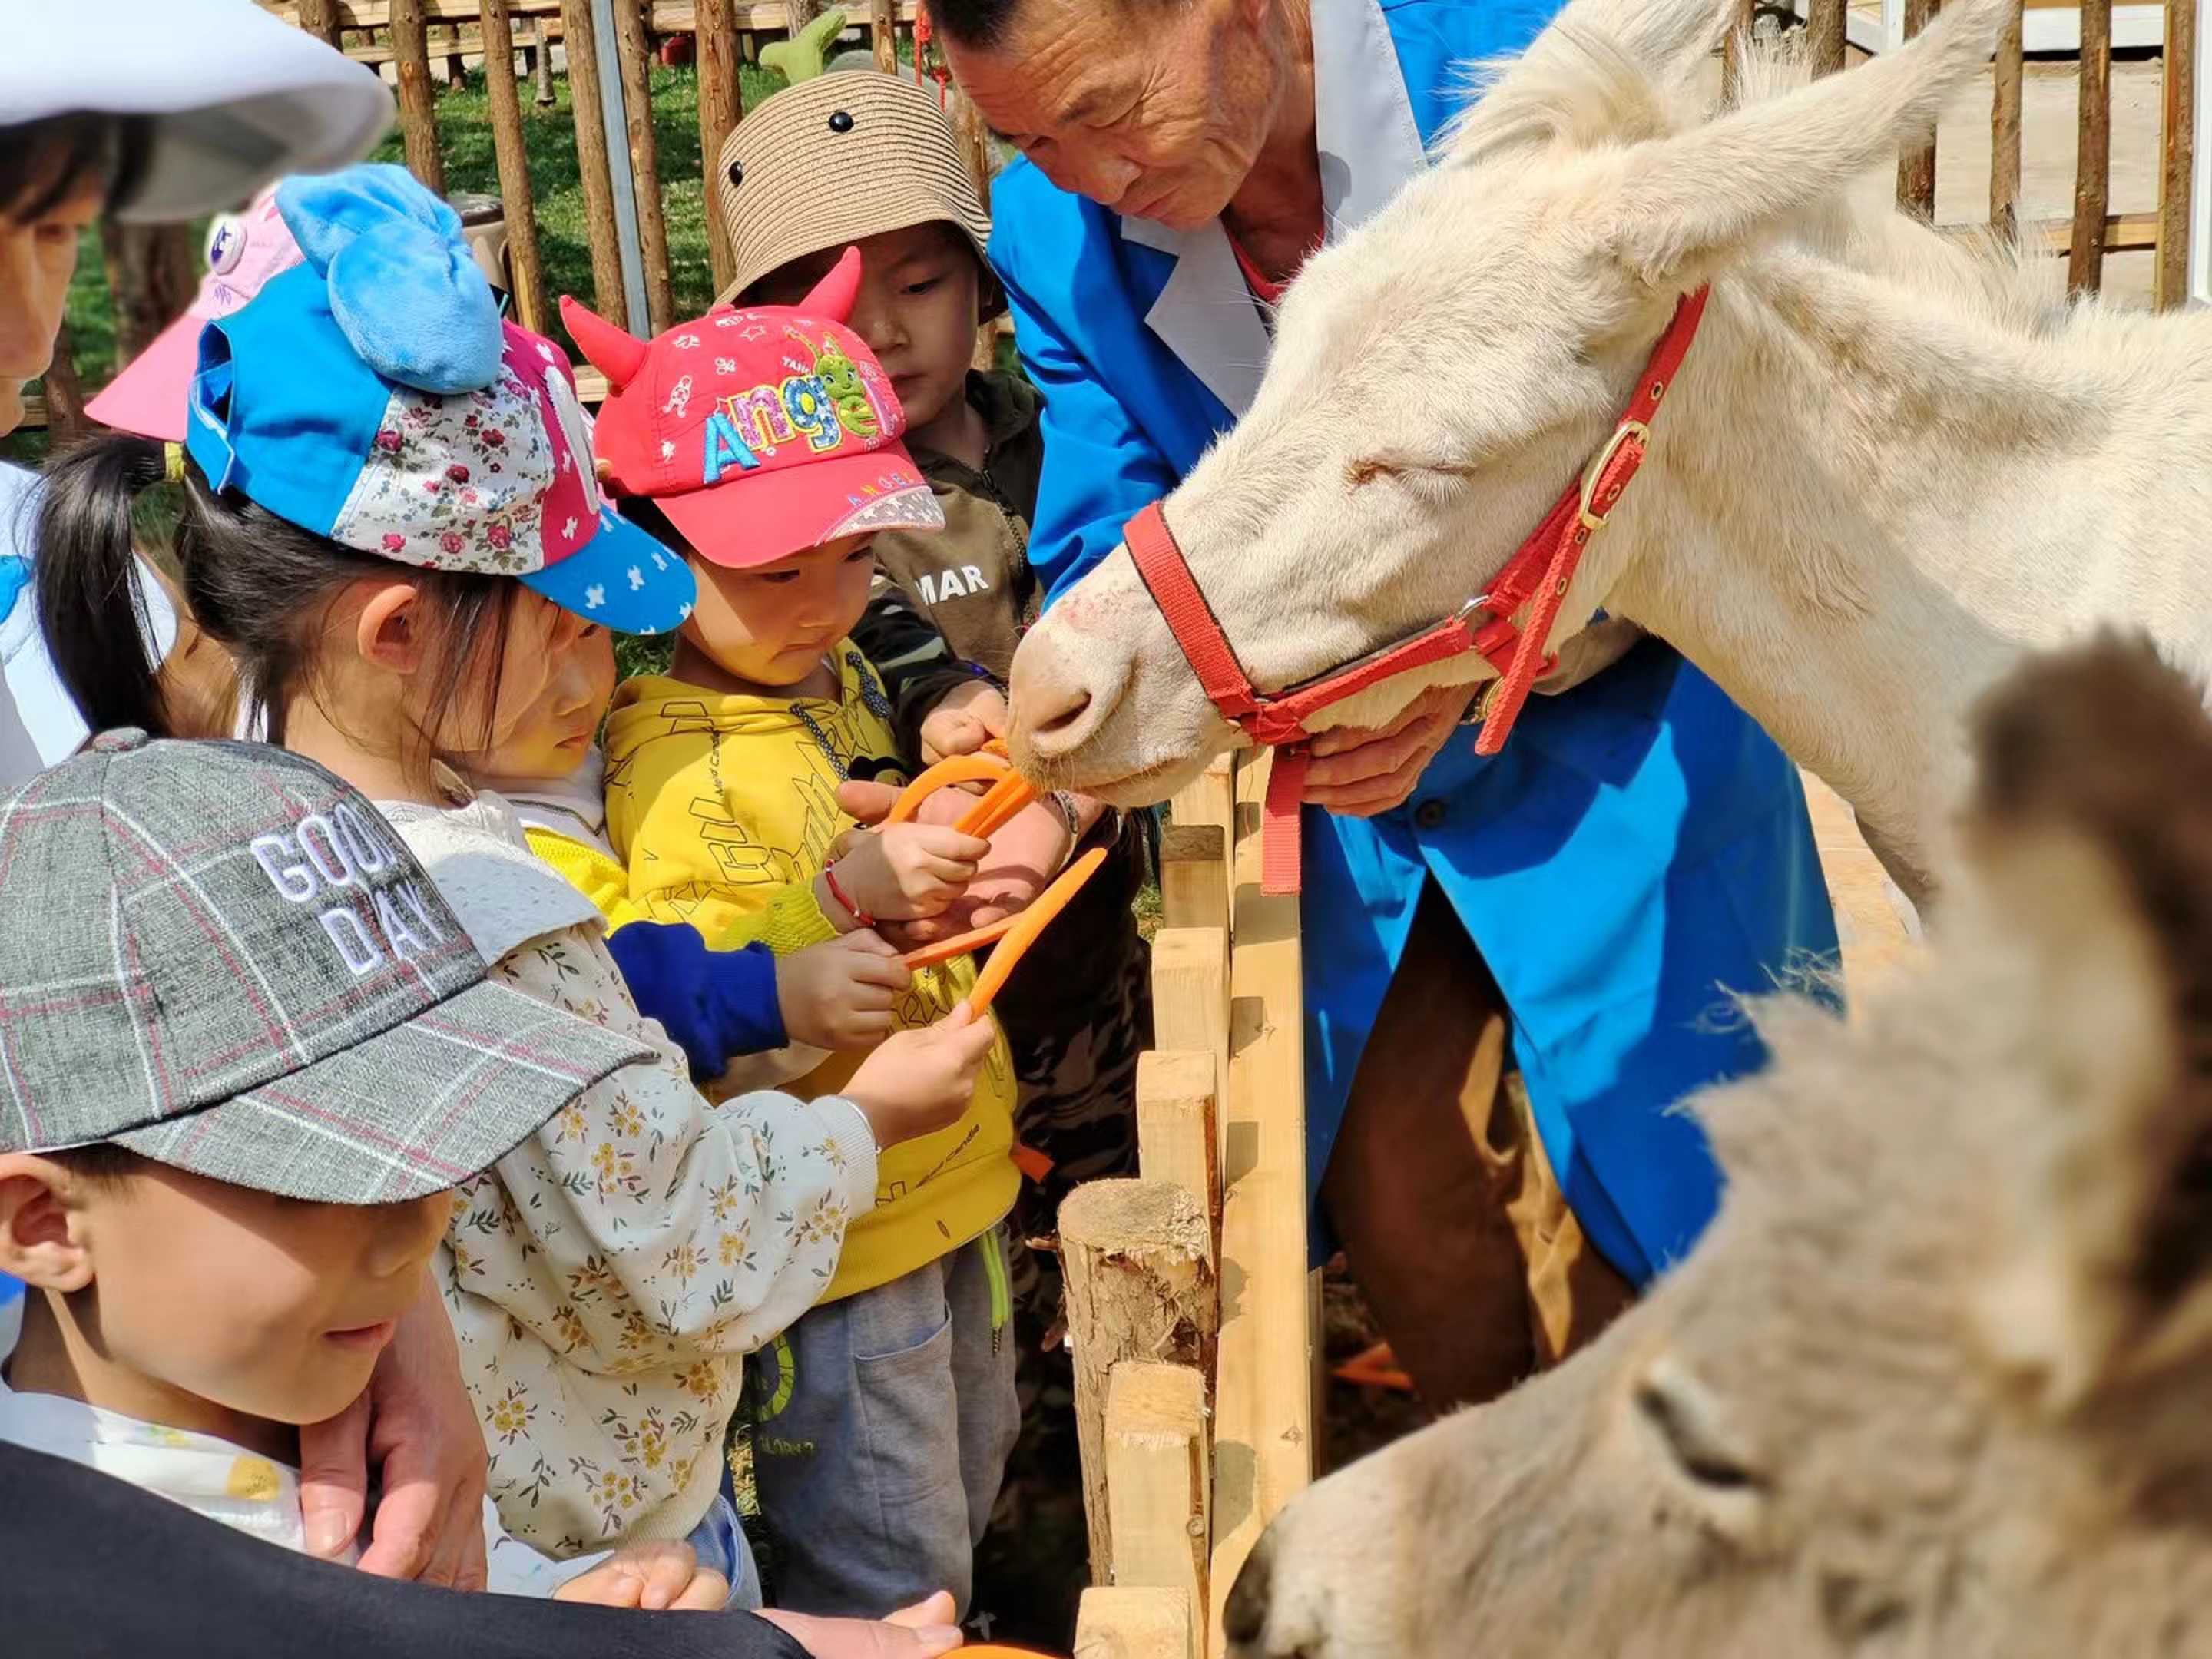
(220, 956)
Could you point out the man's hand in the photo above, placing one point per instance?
(1027, 853)
(659, 1578)
(1361, 771)
(916, 1633)
(964, 720)
(415, 1425)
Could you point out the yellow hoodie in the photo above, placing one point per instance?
(723, 809)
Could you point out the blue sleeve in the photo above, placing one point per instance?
(717, 1004)
(1099, 467)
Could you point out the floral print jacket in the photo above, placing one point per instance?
(607, 1277)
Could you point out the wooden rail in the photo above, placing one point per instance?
(1197, 1417)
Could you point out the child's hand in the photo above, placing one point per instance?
(839, 994)
(916, 1633)
(904, 871)
(658, 1577)
(918, 1082)
(964, 720)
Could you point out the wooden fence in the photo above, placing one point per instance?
(1193, 1319)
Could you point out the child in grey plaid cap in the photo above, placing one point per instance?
(248, 1049)
(606, 1276)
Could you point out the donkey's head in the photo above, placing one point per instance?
(1440, 374)
(1934, 1382)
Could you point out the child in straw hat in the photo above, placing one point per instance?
(866, 159)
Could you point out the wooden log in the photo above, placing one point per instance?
(1178, 1129)
(418, 118)
(721, 106)
(1138, 1256)
(2004, 127)
(62, 411)
(1733, 45)
(635, 53)
(1210, 797)
(882, 33)
(1190, 993)
(1263, 1420)
(1195, 875)
(153, 272)
(541, 64)
(1916, 163)
(457, 68)
(1133, 1624)
(2092, 154)
(1825, 36)
(2177, 138)
(1158, 1481)
(320, 19)
(526, 268)
(581, 37)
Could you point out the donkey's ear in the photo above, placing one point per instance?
(2091, 831)
(1690, 203)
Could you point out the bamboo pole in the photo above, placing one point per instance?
(882, 33)
(636, 55)
(542, 62)
(1916, 163)
(2092, 156)
(721, 106)
(1827, 37)
(581, 40)
(1733, 45)
(2004, 128)
(1158, 1481)
(2178, 178)
(1139, 1260)
(418, 118)
(513, 152)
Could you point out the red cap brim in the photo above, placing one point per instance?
(749, 520)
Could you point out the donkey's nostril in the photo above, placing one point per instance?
(1067, 714)
(1244, 1620)
(1056, 708)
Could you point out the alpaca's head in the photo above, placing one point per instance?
(1441, 373)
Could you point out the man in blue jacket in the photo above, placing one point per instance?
(1513, 965)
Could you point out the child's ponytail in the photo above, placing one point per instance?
(91, 606)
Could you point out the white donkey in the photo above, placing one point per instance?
(1883, 473)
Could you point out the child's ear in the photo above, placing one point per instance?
(388, 631)
(39, 1243)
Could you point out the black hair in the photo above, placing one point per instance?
(44, 163)
(260, 585)
(985, 23)
(101, 1163)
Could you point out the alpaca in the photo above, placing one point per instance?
(1882, 475)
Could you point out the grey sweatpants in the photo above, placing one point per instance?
(882, 1426)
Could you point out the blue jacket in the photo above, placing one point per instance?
(1639, 850)
(717, 1004)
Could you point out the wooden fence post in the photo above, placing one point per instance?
(541, 67)
(64, 394)
(511, 151)
(1210, 797)
(418, 118)
(882, 33)
(1916, 163)
(636, 56)
(1133, 1624)
(2178, 141)
(457, 68)
(721, 106)
(2004, 127)
(153, 271)
(2093, 156)
(582, 39)
(1178, 1127)
(1827, 37)
(1158, 1481)
(1195, 875)
(1138, 1256)
(1190, 993)
(320, 19)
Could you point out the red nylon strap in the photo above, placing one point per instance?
(1279, 857)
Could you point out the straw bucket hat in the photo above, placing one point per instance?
(830, 161)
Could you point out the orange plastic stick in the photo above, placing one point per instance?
(960, 768)
(1000, 803)
(1029, 925)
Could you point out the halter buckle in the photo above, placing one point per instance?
(1594, 474)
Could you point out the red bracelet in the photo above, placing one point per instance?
(860, 917)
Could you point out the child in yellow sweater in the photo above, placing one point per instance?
(765, 443)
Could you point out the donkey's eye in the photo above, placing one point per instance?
(1686, 1419)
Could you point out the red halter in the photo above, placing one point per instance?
(1536, 576)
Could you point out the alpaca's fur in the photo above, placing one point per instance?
(1932, 1386)
(1892, 461)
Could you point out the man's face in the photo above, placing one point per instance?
(1157, 111)
(37, 256)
